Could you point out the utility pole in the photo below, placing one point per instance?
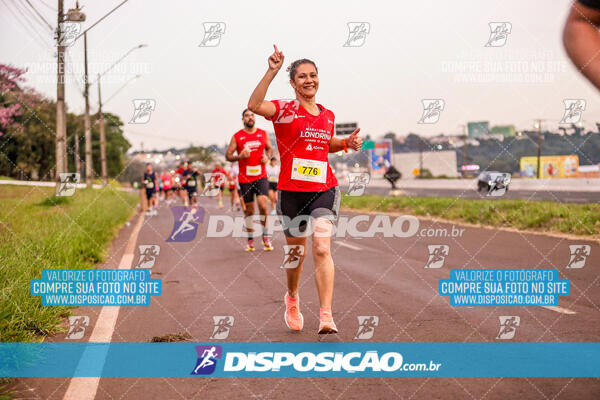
(420, 157)
(465, 143)
(89, 166)
(61, 114)
(538, 126)
(102, 138)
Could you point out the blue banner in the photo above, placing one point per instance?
(504, 287)
(227, 359)
(95, 287)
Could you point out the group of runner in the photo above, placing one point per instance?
(303, 186)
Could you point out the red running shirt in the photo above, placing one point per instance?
(303, 144)
(251, 168)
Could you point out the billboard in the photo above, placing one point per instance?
(504, 130)
(552, 166)
(476, 129)
(381, 157)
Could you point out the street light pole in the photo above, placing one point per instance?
(61, 114)
(89, 167)
(102, 138)
(538, 125)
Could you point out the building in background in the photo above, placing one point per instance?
(504, 130)
(478, 129)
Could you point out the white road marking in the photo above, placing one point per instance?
(342, 243)
(86, 388)
(560, 309)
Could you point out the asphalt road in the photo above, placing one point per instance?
(472, 193)
(378, 276)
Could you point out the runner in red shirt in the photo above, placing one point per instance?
(180, 183)
(220, 176)
(307, 187)
(254, 150)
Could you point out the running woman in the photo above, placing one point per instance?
(191, 184)
(233, 187)
(307, 187)
(181, 192)
(219, 176)
(273, 176)
(253, 149)
(167, 185)
(150, 180)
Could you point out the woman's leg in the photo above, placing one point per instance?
(293, 274)
(324, 270)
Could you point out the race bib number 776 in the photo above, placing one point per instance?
(309, 170)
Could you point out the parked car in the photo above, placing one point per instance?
(488, 179)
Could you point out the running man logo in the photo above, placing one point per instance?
(357, 33)
(287, 111)
(186, 220)
(437, 255)
(499, 186)
(223, 324)
(68, 184)
(212, 183)
(499, 32)
(213, 31)
(366, 326)
(70, 31)
(432, 108)
(148, 254)
(573, 111)
(579, 254)
(357, 183)
(292, 255)
(77, 325)
(142, 109)
(508, 327)
(207, 359)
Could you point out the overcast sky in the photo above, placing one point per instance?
(413, 51)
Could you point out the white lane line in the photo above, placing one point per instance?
(342, 243)
(86, 388)
(560, 309)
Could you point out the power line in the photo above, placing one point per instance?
(48, 6)
(29, 15)
(39, 40)
(39, 15)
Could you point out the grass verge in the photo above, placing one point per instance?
(39, 231)
(542, 216)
